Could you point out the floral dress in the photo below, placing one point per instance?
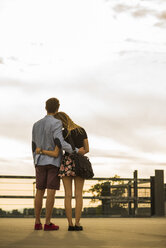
(67, 167)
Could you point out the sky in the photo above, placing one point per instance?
(104, 60)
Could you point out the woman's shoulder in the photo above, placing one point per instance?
(81, 132)
(79, 128)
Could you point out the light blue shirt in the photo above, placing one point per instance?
(44, 132)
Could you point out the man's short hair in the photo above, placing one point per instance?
(52, 105)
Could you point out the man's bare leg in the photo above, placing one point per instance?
(38, 204)
(49, 204)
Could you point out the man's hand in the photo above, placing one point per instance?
(38, 150)
(81, 151)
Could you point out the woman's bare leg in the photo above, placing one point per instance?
(79, 183)
(67, 182)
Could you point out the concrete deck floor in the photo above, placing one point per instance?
(98, 232)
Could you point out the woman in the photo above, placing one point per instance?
(67, 168)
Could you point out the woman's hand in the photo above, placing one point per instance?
(54, 153)
(38, 150)
(81, 151)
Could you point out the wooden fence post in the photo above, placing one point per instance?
(152, 183)
(159, 192)
(129, 202)
(135, 192)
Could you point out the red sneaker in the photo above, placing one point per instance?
(38, 227)
(50, 227)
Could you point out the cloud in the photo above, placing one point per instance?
(140, 11)
(160, 24)
(4, 161)
(7, 82)
(162, 16)
(1, 61)
(128, 133)
(136, 11)
(13, 58)
(116, 111)
(130, 156)
(139, 125)
(136, 41)
(119, 8)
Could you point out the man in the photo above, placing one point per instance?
(45, 134)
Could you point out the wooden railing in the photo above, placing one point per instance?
(132, 197)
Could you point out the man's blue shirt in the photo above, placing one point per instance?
(44, 134)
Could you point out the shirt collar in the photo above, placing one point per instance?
(49, 116)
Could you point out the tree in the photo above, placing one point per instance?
(104, 188)
(2, 212)
(15, 212)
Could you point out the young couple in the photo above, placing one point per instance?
(50, 136)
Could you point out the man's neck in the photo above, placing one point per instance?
(51, 113)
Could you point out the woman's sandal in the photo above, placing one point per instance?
(71, 228)
(78, 228)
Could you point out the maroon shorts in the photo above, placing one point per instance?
(47, 177)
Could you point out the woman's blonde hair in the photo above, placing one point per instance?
(67, 122)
